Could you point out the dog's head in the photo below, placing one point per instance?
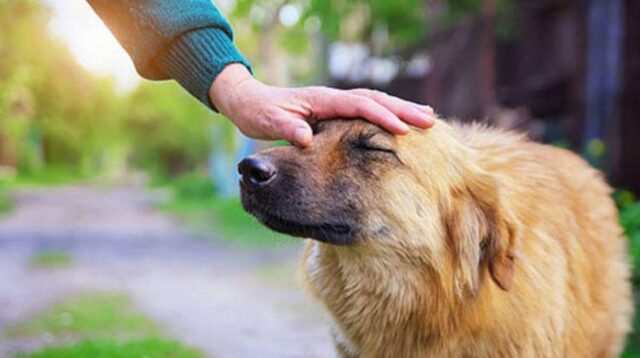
(422, 197)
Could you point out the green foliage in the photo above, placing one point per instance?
(632, 349)
(150, 347)
(403, 19)
(595, 152)
(51, 259)
(55, 116)
(52, 111)
(169, 131)
(195, 201)
(630, 221)
(193, 187)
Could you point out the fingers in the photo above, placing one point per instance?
(375, 113)
(278, 125)
(296, 131)
(330, 103)
(418, 115)
(389, 112)
(282, 113)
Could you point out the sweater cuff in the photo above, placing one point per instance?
(197, 57)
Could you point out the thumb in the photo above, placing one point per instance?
(296, 131)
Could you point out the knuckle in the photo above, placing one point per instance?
(363, 102)
(370, 93)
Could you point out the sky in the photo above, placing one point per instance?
(95, 48)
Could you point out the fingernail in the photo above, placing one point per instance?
(427, 109)
(301, 136)
(403, 128)
(425, 118)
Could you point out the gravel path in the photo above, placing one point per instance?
(225, 301)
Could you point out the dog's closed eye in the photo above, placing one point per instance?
(365, 142)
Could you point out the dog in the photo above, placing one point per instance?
(456, 241)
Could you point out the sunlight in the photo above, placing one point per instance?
(95, 48)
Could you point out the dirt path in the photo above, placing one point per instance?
(219, 299)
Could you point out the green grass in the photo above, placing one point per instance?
(5, 203)
(196, 202)
(51, 259)
(629, 208)
(87, 315)
(99, 325)
(150, 348)
(227, 219)
(47, 176)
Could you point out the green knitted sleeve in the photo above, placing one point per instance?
(186, 40)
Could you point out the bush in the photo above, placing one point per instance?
(193, 187)
(630, 220)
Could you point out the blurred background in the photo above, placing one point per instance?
(121, 232)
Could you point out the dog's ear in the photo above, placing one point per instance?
(499, 246)
(480, 233)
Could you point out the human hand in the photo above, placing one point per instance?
(267, 112)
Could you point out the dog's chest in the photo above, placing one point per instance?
(370, 308)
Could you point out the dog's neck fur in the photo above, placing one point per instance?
(339, 276)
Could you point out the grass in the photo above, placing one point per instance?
(5, 203)
(196, 202)
(98, 324)
(47, 176)
(226, 218)
(51, 259)
(149, 347)
(87, 315)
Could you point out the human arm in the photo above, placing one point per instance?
(186, 40)
(190, 41)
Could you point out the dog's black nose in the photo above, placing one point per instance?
(256, 171)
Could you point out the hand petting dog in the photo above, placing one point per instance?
(267, 112)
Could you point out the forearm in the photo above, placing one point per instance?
(187, 40)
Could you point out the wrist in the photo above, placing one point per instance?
(223, 90)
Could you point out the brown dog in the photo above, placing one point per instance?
(458, 241)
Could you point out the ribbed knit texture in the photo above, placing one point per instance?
(187, 40)
(197, 58)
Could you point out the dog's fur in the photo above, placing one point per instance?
(457, 241)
